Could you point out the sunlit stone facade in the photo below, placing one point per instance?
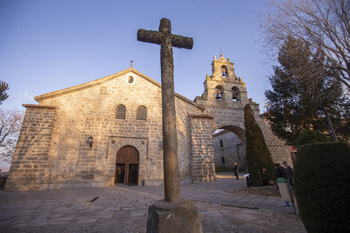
(75, 136)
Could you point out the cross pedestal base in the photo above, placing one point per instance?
(173, 217)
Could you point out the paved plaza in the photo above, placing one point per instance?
(225, 205)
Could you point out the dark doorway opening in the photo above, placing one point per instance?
(127, 166)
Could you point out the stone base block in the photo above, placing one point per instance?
(170, 217)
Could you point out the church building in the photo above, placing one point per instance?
(109, 131)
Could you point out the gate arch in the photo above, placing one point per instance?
(229, 144)
(235, 128)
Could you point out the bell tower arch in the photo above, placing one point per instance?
(225, 97)
(223, 87)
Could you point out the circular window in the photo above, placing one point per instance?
(130, 79)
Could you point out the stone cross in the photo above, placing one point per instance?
(167, 41)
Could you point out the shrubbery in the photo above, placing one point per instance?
(322, 185)
(259, 160)
(310, 136)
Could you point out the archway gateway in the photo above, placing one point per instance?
(127, 166)
(229, 147)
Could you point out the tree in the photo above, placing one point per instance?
(10, 125)
(324, 25)
(292, 105)
(259, 160)
(3, 88)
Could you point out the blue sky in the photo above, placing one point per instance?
(48, 45)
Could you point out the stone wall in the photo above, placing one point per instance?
(53, 149)
(228, 149)
(228, 113)
(202, 161)
(30, 161)
(90, 110)
(278, 148)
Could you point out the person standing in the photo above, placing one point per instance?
(235, 170)
(289, 173)
(281, 172)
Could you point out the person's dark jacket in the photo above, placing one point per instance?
(235, 168)
(281, 172)
(289, 172)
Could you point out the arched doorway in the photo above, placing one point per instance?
(229, 147)
(127, 166)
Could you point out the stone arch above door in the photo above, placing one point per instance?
(235, 128)
(115, 143)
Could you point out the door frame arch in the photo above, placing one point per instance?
(127, 165)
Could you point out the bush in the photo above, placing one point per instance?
(259, 161)
(311, 136)
(322, 184)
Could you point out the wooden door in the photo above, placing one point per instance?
(127, 164)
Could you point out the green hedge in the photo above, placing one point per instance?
(223, 169)
(311, 136)
(322, 186)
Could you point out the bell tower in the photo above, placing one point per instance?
(223, 88)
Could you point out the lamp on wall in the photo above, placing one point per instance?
(90, 141)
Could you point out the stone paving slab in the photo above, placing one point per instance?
(125, 209)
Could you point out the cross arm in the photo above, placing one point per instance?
(149, 36)
(157, 37)
(181, 41)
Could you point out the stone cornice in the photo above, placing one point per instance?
(39, 106)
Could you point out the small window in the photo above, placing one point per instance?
(141, 113)
(223, 160)
(121, 112)
(221, 143)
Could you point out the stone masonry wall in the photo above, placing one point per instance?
(228, 113)
(90, 110)
(279, 150)
(30, 161)
(228, 146)
(202, 162)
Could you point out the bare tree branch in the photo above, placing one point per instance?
(323, 24)
(10, 125)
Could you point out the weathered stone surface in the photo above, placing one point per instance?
(174, 217)
(228, 149)
(228, 112)
(54, 139)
